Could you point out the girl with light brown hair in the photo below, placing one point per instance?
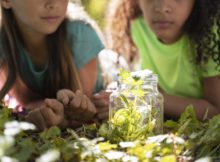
(48, 61)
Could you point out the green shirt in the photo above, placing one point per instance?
(174, 64)
(85, 45)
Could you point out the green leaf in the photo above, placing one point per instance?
(5, 116)
(171, 125)
(168, 158)
(138, 92)
(188, 121)
(25, 149)
(105, 146)
(50, 133)
(125, 75)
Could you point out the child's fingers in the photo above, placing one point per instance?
(101, 99)
(89, 111)
(55, 105)
(103, 115)
(103, 109)
(77, 100)
(103, 94)
(47, 114)
(50, 117)
(37, 119)
(91, 107)
(65, 96)
(82, 106)
(101, 103)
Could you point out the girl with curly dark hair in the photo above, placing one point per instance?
(180, 41)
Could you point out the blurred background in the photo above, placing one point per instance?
(96, 9)
(110, 61)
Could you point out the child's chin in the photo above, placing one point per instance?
(50, 31)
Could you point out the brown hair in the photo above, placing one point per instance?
(61, 72)
(120, 15)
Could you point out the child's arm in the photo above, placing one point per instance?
(88, 77)
(23, 94)
(174, 106)
(19, 90)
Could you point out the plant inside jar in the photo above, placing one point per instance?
(132, 116)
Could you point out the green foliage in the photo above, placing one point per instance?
(203, 137)
(5, 115)
(96, 8)
(188, 139)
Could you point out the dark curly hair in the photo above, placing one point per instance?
(205, 17)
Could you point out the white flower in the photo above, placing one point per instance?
(14, 127)
(205, 159)
(179, 140)
(12, 131)
(27, 126)
(96, 140)
(129, 158)
(49, 156)
(127, 144)
(157, 139)
(96, 149)
(175, 139)
(5, 143)
(113, 155)
(101, 160)
(12, 124)
(148, 154)
(8, 159)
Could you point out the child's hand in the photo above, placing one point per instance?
(49, 113)
(101, 101)
(77, 105)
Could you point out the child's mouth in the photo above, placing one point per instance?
(51, 19)
(162, 24)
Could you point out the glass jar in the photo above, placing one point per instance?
(137, 105)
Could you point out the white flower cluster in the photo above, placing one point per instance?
(14, 127)
(49, 156)
(7, 140)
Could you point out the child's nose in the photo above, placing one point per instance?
(162, 6)
(50, 4)
(53, 3)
